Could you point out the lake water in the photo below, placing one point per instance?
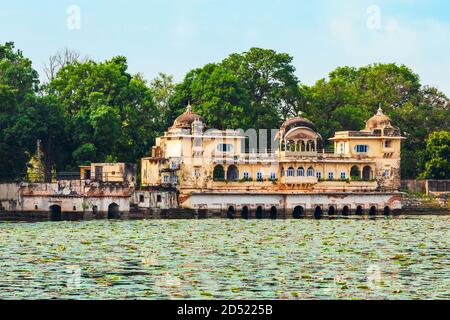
(355, 258)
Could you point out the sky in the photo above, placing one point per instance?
(175, 36)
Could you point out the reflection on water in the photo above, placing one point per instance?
(386, 258)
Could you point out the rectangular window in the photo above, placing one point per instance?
(319, 175)
(259, 176)
(388, 143)
(273, 175)
(361, 148)
(141, 198)
(343, 175)
(174, 179)
(341, 148)
(330, 175)
(158, 198)
(166, 179)
(224, 147)
(197, 173)
(246, 175)
(387, 173)
(174, 165)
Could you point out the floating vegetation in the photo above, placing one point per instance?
(388, 258)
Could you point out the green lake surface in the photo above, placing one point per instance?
(354, 258)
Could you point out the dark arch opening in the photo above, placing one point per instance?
(318, 212)
(387, 211)
(244, 213)
(298, 212)
(355, 174)
(230, 212)
(359, 210)
(218, 173)
(259, 212)
(331, 211)
(55, 213)
(367, 173)
(273, 213)
(373, 211)
(232, 173)
(113, 211)
(94, 210)
(345, 211)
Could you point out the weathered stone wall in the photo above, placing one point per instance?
(287, 202)
(426, 204)
(9, 196)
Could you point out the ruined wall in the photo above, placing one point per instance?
(9, 196)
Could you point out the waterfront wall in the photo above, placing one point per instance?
(284, 205)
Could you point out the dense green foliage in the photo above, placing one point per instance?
(98, 111)
(437, 154)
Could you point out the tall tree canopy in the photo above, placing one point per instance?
(256, 89)
(437, 154)
(18, 81)
(111, 114)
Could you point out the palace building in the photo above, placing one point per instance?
(218, 171)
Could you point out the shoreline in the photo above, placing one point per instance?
(186, 214)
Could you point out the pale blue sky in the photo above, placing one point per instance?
(174, 36)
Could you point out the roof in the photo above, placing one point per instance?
(378, 120)
(187, 118)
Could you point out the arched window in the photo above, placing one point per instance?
(367, 173)
(301, 172)
(218, 173)
(232, 173)
(290, 172)
(310, 172)
(355, 174)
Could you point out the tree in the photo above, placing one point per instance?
(18, 81)
(269, 78)
(256, 89)
(437, 155)
(42, 118)
(59, 60)
(216, 95)
(111, 114)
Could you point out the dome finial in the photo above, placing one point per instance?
(299, 113)
(380, 111)
(189, 107)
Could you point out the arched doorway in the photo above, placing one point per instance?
(218, 173)
(232, 173)
(359, 210)
(355, 174)
(113, 211)
(230, 212)
(94, 210)
(373, 211)
(367, 173)
(331, 211)
(318, 212)
(55, 213)
(273, 213)
(387, 211)
(298, 212)
(345, 211)
(259, 213)
(244, 213)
